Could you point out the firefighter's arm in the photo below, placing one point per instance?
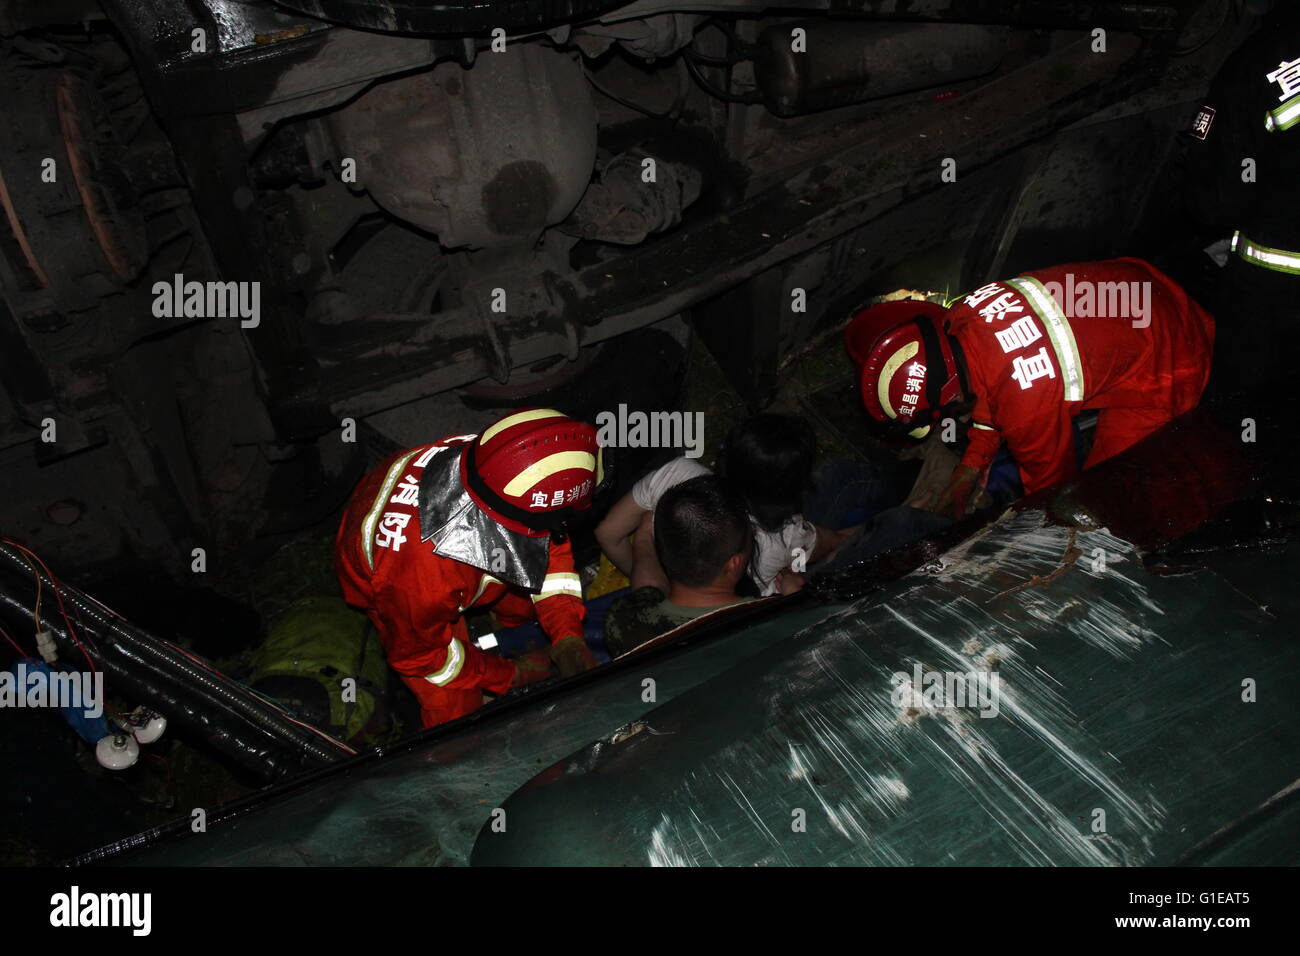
(1044, 450)
(982, 443)
(561, 612)
(443, 653)
(984, 437)
(956, 496)
(985, 440)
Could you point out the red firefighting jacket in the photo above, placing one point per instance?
(416, 598)
(1118, 335)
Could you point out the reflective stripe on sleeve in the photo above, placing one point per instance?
(1059, 334)
(561, 582)
(376, 509)
(482, 586)
(1279, 260)
(1284, 117)
(451, 667)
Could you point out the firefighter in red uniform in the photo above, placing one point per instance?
(1026, 355)
(472, 521)
(1244, 186)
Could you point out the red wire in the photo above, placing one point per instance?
(58, 593)
(91, 597)
(21, 652)
(171, 787)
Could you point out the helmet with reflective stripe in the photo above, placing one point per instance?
(532, 469)
(909, 374)
(871, 322)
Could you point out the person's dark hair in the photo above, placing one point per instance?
(699, 525)
(768, 460)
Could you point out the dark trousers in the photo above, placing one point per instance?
(846, 493)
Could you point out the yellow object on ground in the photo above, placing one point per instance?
(608, 579)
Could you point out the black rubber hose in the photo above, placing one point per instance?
(249, 705)
(225, 730)
(253, 708)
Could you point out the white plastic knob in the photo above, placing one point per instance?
(152, 729)
(117, 752)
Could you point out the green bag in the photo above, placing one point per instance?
(323, 662)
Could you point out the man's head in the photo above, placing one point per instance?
(532, 469)
(909, 374)
(702, 534)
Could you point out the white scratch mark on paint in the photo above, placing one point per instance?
(834, 731)
(661, 853)
(744, 802)
(1028, 701)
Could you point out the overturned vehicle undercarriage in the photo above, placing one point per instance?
(249, 248)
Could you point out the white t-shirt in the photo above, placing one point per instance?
(773, 551)
(651, 488)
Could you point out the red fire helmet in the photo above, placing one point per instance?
(532, 469)
(871, 322)
(908, 373)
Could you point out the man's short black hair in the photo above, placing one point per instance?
(768, 460)
(699, 525)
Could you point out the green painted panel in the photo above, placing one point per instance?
(425, 806)
(1119, 692)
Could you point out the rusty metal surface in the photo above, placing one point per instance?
(453, 152)
(813, 205)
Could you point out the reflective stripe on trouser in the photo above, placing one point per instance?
(560, 582)
(1279, 260)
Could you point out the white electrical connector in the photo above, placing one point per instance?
(146, 726)
(45, 644)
